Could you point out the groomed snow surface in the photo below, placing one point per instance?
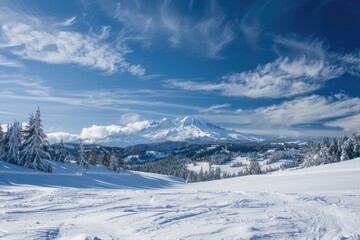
(313, 203)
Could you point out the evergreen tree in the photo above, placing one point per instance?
(68, 158)
(61, 152)
(325, 142)
(357, 150)
(105, 158)
(1, 139)
(334, 151)
(12, 143)
(201, 175)
(120, 161)
(217, 173)
(113, 163)
(55, 152)
(254, 167)
(83, 162)
(190, 177)
(93, 155)
(35, 144)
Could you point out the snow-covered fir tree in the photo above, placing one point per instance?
(120, 161)
(83, 162)
(93, 155)
(113, 162)
(254, 167)
(61, 156)
(12, 143)
(105, 158)
(345, 148)
(1, 139)
(34, 148)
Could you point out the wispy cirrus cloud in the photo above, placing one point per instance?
(284, 77)
(36, 39)
(302, 67)
(129, 118)
(207, 35)
(309, 109)
(6, 62)
(215, 108)
(31, 88)
(352, 61)
(350, 123)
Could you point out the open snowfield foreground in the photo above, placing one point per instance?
(314, 203)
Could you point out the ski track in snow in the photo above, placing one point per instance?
(48, 213)
(184, 211)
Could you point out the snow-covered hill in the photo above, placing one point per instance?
(182, 129)
(71, 175)
(315, 203)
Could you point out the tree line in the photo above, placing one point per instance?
(28, 146)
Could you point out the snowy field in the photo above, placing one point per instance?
(314, 203)
(230, 167)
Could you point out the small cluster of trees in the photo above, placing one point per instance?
(113, 161)
(26, 147)
(29, 147)
(327, 151)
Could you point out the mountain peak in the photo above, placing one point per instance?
(183, 129)
(190, 121)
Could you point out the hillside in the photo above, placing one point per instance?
(318, 203)
(71, 175)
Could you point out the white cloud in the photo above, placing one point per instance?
(350, 124)
(129, 118)
(215, 108)
(207, 36)
(5, 62)
(251, 31)
(69, 21)
(304, 66)
(352, 61)
(309, 110)
(284, 77)
(98, 132)
(55, 137)
(308, 46)
(52, 43)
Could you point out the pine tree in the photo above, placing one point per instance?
(357, 150)
(113, 163)
(254, 167)
(12, 143)
(68, 158)
(82, 159)
(105, 158)
(325, 142)
(334, 151)
(120, 161)
(93, 155)
(201, 175)
(217, 173)
(1, 140)
(61, 152)
(35, 144)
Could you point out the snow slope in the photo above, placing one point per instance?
(73, 176)
(286, 205)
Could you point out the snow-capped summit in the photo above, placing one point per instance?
(186, 129)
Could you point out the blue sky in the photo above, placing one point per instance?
(264, 67)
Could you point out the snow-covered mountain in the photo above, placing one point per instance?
(182, 129)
